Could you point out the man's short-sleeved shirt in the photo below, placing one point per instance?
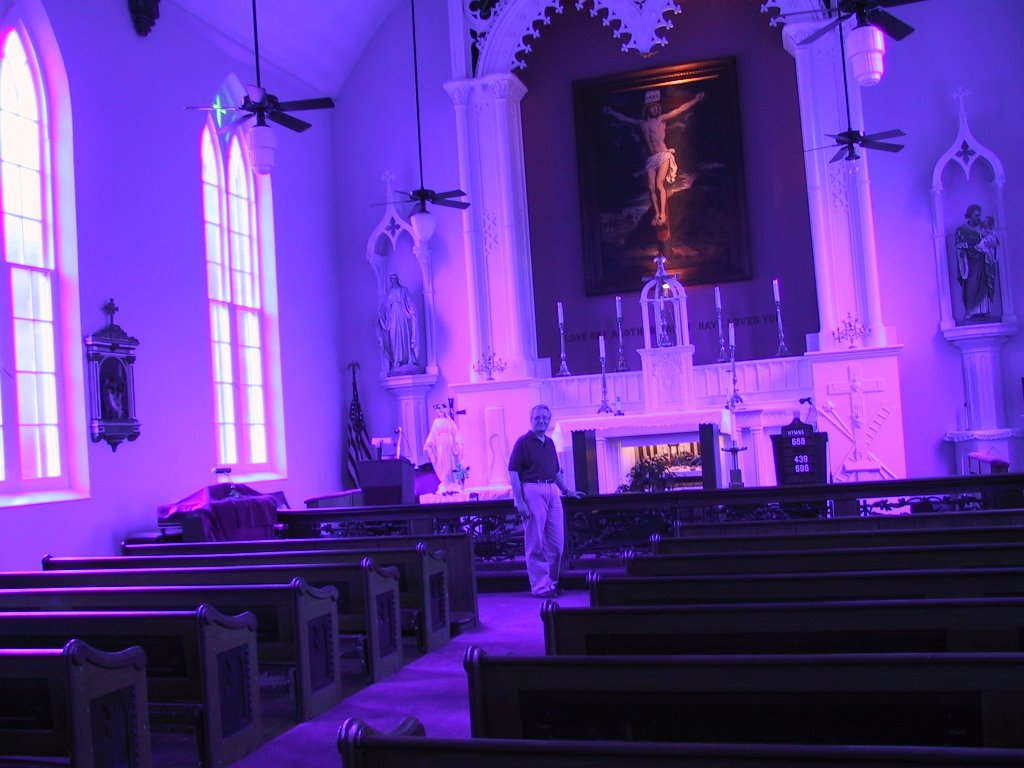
(534, 460)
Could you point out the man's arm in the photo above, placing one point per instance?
(517, 494)
(560, 482)
(683, 107)
(620, 116)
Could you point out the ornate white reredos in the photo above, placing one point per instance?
(505, 31)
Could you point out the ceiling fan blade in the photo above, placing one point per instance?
(300, 104)
(838, 155)
(821, 31)
(293, 123)
(461, 204)
(885, 21)
(449, 193)
(884, 146)
(884, 135)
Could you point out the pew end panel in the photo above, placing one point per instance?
(76, 702)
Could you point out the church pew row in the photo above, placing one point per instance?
(422, 578)
(458, 549)
(296, 629)
(982, 518)
(838, 559)
(868, 626)
(948, 699)
(897, 537)
(74, 703)
(609, 590)
(368, 613)
(201, 667)
(362, 746)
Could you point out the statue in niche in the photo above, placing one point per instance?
(976, 243)
(398, 329)
(444, 449)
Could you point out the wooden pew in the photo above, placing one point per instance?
(75, 703)
(201, 667)
(949, 699)
(983, 518)
(296, 630)
(368, 612)
(364, 747)
(422, 577)
(839, 559)
(608, 590)
(896, 537)
(882, 626)
(458, 548)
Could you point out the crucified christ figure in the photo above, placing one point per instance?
(661, 166)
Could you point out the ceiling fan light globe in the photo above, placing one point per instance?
(423, 223)
(865, 47)
(262, 144)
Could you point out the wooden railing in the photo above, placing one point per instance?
(610, 524)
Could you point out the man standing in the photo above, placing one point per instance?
(537, 488)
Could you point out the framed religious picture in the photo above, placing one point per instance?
(661, 173)
(110, 353)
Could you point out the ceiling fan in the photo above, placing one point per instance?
(867, 12)
(422, 195)
(850, 139)
(265, 106)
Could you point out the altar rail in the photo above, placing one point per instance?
(608, 525)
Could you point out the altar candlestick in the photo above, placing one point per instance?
(600, 346)
(732, 335)
(561, 315)
(718, 299)
(775, 289)
(618, 307)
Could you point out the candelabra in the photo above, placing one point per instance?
(723, 356)
(489, 365)
(563, 370)
(850, 330)
(622, 357)
(783, 351)
(605, 408)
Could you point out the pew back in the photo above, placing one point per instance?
(883, 626)
(458, 549)
(968, 700)
(367, 595)
(364, 747)
(201, 667)
(608, 590)
(896, 537)
(422, 577)
(837, 559)
(76, 702)
(297, 624)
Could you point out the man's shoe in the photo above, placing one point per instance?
(547, 593)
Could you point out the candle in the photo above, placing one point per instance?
(732, 335)
(600, 345)
(618, 307)
(718, 299)
(775, 289)
(561, 316)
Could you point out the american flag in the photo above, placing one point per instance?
(358, 437)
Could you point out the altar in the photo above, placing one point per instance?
(620, 441)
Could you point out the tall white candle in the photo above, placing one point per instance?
(775, 289)
(618, 307)
(600, 345)
(732, 335)
(718, 299)
(561, 315)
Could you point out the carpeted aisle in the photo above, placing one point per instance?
(431, 687)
